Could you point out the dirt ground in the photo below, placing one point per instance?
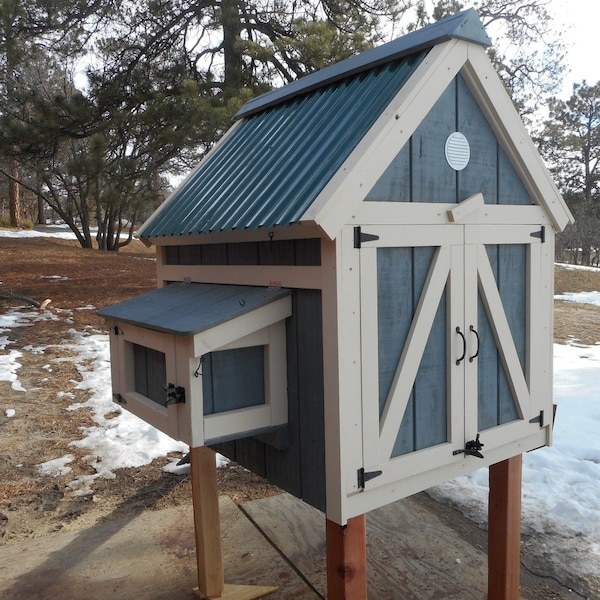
(33, 505)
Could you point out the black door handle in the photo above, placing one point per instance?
(464, 341)
(471, 328)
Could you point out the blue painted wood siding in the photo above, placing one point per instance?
(401, 274)
(233, 379)
(495, 400)
(300, 468)
(420, 172)
(305, 252)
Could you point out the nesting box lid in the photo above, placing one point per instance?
(188, 309)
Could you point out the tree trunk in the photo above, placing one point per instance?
(231, 36)
(41, 217)
(14, 196)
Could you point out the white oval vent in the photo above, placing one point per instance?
(457, 151)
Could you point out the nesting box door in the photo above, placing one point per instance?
(450, 319)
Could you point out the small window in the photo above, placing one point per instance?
(150, 373)
(233, 379)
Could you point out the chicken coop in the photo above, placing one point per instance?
(356, 283)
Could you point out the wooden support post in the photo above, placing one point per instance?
(347, 559)
(504, 529)
(207, 525)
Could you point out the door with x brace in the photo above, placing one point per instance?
(447, 330)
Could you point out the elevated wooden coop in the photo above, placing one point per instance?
(355, 287)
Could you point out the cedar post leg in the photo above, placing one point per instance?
(207, 525)
(504, 529)
(347, 559)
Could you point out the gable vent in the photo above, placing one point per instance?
(458, 152)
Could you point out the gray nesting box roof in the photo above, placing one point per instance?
(288, 143)
(188, 309)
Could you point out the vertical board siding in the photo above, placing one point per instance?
(304, 252)
(244, 253)
(432, 178)
(311, 397)
(401, 276)
(480, 175)
(420, 172)
(300, 468)
(280, 254)
(496, 404)
(510, 187)
(214, 254)
(431, 411)
(233, 379)
(511, 279)
(150, 373)
(394, 184)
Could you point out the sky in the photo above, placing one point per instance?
(578, 21)
(561, 484)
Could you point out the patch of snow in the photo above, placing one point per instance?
(9, 413)
(580, 297)
(56, 467)
(577, 267)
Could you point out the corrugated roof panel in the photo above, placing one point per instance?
(275, 163)
(464, 25)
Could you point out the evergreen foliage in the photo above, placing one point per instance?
(570, 142)
(103, 102)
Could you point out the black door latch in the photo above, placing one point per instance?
(472, 448)
(175, 394)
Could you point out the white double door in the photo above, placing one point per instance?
(451, 317)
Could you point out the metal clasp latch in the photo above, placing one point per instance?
(472, 448)
(175, 395)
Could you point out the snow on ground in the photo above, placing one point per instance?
(561, 484)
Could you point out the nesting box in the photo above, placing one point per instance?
(356, 283)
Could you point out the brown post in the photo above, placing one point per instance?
(207, 525)
(347, 559)
(504, 529)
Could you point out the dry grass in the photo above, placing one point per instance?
(32, 504)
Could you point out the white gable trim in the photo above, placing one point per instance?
(496, 105)
(341, 198)
(394, 127)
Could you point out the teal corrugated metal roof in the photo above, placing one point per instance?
(291, 142)
(269, 170)
(464, 25)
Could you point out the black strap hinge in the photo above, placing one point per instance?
(540, 234)
(539, 419)
(360, 237)
(363, 477)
